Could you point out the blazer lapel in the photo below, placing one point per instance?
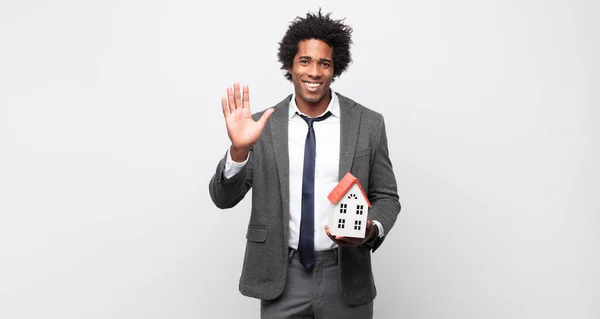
(349, 125)
(279, 135)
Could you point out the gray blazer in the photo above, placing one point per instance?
(363, 152)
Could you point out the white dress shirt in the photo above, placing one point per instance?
(327, 137)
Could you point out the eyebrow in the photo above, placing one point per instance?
(310, 58)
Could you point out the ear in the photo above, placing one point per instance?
(289, 69)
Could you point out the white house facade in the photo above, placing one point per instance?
(350, 216)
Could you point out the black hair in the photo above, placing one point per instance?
(319, 27)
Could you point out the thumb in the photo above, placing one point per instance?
(263, 119)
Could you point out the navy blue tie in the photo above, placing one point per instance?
(306, 244)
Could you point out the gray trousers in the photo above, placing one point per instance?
(313, 294)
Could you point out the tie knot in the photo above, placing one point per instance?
(310, 120)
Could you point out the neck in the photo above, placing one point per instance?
(313, 109)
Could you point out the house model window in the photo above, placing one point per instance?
(357, 224)
(359, 209)
(343, 208)
(352, 207)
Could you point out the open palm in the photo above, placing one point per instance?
(242, 129)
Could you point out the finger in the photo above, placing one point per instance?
(328, 232)
(341, 240)
(224, 106)
(246, 98)
(230, 100)
(263, 119)
(237, 95)
(347, 239)
(332, 238)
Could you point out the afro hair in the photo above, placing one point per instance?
(319, 27)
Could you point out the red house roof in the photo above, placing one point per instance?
(343, 186)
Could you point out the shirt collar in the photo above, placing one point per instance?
(333, 107)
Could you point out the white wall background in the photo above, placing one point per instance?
(110, 129)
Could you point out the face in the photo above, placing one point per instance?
(312, 73)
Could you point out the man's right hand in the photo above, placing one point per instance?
(243, 131)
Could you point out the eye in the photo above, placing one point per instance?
(326, 64)
(303, 62)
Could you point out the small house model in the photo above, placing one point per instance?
(349, 218)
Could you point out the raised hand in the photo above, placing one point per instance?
(242, 129)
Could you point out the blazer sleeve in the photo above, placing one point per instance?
(227, 192)
(383, 191)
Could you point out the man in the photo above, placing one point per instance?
(291, 162)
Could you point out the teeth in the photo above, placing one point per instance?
(313, 85)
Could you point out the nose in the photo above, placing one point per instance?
(314, 70)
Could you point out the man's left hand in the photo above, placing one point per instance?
(353, 241)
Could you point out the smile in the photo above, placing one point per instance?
(312, 86)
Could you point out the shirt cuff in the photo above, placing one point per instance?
(232, 167)
(380, 228)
